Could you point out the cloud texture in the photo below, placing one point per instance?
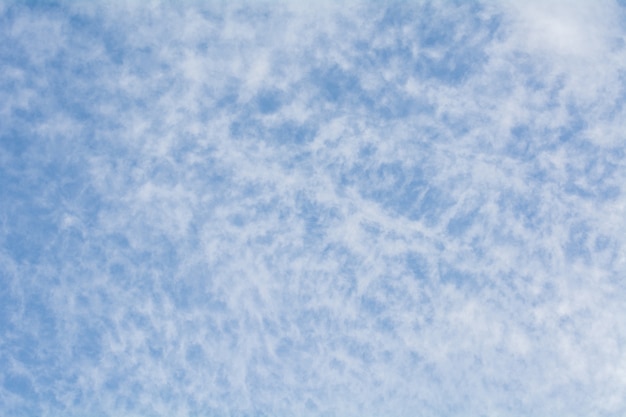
(339, 209)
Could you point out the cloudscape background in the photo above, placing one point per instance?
(313, 208)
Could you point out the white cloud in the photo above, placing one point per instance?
(296, 209)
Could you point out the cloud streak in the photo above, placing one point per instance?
(282, 209)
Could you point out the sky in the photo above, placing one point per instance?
(284, 208)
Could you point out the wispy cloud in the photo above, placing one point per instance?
(333, 209)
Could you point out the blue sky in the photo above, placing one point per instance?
(312, 208)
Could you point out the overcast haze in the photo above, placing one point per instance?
(288, 208)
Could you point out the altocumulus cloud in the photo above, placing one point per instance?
(298, 209)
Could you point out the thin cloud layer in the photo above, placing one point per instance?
(336, 209)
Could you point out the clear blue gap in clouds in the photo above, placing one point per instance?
(296, 209)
